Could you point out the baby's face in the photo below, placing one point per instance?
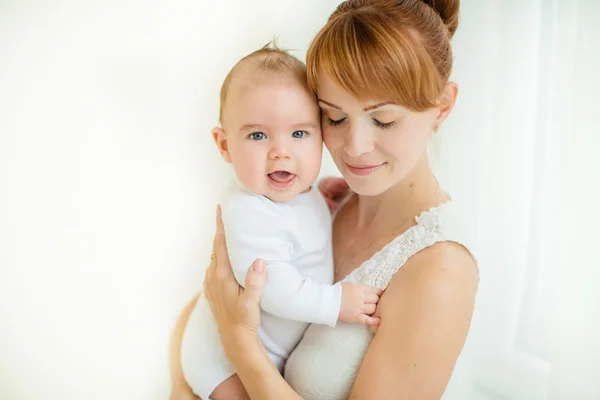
(273, 138)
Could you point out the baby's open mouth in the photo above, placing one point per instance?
(282, 179)
(281, 176)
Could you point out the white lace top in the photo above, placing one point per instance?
(325, 363)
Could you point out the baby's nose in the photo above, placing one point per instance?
(279, 150)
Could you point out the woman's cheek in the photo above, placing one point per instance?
(399, 142)
(330, 138)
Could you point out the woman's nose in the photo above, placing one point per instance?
(358, 142)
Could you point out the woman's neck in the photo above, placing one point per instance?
(418, 192)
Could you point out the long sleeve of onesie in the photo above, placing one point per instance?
(254, 230)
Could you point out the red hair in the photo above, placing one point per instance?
(398, 50)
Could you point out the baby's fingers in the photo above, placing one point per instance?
(330, 203)
(368, 320)
(371, 298)
(371, 289)
(369, 308)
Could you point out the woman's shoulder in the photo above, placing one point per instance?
(434, 294)
(436, 239)
(447, 251)
(445, 257)
(443, 272)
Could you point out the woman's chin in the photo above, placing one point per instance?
(367, 188)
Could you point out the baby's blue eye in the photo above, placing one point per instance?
(299, 134)
(257, 136)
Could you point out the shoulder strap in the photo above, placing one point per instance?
(433, 226)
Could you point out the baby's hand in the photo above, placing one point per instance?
(358, 303)
(334, 190)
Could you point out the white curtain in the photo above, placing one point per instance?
(109, 178)
(529, 78)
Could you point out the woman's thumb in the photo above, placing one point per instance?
(255, 282)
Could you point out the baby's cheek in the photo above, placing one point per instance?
(249, 172)
(314, 163)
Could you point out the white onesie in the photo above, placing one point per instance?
(294, 239)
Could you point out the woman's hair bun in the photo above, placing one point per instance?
(448, 10)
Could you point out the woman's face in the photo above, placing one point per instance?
(374, 143)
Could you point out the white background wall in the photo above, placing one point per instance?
(109, 179)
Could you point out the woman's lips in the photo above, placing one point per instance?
(363, 170)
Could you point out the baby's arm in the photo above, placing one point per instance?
(253, 231)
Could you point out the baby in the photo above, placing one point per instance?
(271, 135)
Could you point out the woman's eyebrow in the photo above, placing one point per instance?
(369, 108)
(329, 104)
(374, 106)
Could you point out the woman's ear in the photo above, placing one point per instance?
(221, 141)
(447, 102)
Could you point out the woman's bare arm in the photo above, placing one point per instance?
(425, 316)
(425, 313)
(180, 390)
(258, 374)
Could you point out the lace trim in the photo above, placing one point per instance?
(432, 227)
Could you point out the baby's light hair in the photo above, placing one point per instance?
(275, 61)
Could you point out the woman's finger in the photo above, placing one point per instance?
(255, 282)
(215, 244)
(210, 271)
(221, 247)
(213, 255)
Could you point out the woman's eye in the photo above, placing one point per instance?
(383, 125)
(257, 136)
(335, 122)
(299, 134)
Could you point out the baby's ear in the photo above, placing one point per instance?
(221, 141)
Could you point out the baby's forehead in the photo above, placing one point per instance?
(260, 100)
(257, 77)
(277, 108)
(253, 86)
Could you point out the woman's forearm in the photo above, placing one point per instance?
(258, 374)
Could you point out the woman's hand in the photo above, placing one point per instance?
(235, 309)
(334, 190)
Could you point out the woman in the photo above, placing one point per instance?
(380, 71)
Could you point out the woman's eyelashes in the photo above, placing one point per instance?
(384, 125)
(377, 123)
(335, 122)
